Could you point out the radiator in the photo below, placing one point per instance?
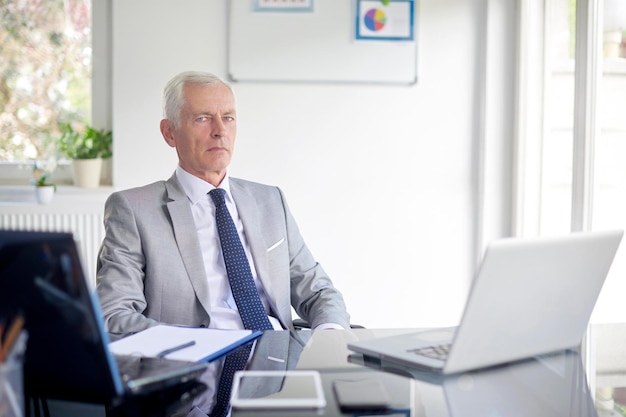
(86, 227)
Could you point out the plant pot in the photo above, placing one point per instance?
(87, 172)
(612, 42)
(44, 193)
(106, 177)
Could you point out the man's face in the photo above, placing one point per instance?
(205, 136)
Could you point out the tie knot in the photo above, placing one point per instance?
(217, 195)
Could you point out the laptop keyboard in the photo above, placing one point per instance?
(435, 352)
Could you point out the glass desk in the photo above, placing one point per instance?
(592, 383)
(551, 385)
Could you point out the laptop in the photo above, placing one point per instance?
(67, 355)
(530, 297)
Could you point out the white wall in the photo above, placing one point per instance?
(382, 179)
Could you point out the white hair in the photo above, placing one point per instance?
(173, 98)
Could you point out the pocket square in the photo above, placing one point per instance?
(275, 245)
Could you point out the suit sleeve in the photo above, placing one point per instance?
(120, 272)
(313, 295)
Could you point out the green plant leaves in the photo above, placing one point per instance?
(88, 143)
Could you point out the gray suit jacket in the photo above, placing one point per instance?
(150, 267)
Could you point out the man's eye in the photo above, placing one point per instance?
(229, 118)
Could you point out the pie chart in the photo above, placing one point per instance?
(375, 19)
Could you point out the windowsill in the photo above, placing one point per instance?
(21, 174)
(67, 199)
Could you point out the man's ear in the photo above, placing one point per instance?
(166, 131)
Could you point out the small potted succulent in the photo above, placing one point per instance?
(44, 189)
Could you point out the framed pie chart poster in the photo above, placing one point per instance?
(387, 21)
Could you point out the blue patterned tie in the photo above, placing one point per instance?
(244, 291)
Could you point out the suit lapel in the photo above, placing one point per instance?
(187, 240)
(247, 208)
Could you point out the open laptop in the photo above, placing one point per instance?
(67, 355)
(530, 297)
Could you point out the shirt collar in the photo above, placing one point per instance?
(196, 188)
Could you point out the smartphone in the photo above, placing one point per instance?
(363, 395)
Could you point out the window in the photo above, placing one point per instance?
(573, 133)
(45, 74)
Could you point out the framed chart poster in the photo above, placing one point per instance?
(392, 21)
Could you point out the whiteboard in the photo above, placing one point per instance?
(313, 46)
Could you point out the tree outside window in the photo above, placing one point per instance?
(45, 73)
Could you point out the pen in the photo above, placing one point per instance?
(175, 349)
(14, 330)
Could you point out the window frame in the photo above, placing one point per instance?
(531, 128)
(20, 172)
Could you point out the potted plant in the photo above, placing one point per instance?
(107, 154)
(44, 190)
(85, 146)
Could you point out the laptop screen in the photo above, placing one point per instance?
(41, 278)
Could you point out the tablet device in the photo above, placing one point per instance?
(277, 390)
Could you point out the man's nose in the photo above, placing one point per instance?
(219, 128)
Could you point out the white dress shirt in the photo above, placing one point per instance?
(224, 313)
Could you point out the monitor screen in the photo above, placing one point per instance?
(41, 278)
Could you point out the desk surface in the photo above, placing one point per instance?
(590, 384)
(563, 384)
